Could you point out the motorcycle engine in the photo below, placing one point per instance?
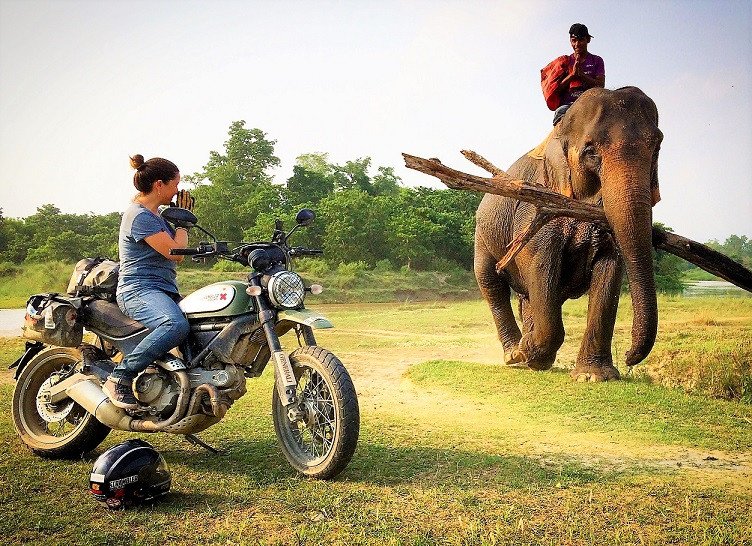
(159, 389)
(156, 388)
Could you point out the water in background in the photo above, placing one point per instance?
(713, 288)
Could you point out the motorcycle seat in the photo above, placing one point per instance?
(106, 317)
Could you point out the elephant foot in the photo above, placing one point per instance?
(594, 374)
(515, 359)
(536, 357)
(540, 366)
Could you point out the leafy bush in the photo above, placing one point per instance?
(8, 269)
(439, 263)
(352, 268)
(226, 266)
(315, 267)
(382, 266)
(347, 274)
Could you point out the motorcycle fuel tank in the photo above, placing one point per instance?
(221, 299)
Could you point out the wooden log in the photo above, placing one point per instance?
(555, 203)
(703, 257)
(550, 205)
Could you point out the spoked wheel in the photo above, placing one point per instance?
(60, 430)
(323, 441)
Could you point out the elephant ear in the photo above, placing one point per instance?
(558, 176)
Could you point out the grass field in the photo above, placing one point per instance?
(342, 285)
(454, 449)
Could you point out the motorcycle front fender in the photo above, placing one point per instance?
(306, 317)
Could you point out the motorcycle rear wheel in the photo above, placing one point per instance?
(57, 431)
(322, 444)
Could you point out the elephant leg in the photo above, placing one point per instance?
(594, 362)
(544, 329)
(497, 294)
(525, 314)
(516, 357)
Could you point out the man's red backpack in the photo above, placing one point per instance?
(551, 76)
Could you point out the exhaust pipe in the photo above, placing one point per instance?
(95, 401)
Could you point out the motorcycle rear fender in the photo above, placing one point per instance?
(32, 348)
(306, 317)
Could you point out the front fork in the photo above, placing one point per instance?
(284, 377)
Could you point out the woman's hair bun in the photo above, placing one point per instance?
(137, 161)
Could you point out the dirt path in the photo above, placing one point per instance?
(382, 388)
(11, 321)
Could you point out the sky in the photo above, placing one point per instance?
(85, 84)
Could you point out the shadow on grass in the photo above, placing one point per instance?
(262, 463)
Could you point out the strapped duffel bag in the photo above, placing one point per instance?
(96, 277)
(53, 320)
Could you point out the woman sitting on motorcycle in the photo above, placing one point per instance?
(147, 289)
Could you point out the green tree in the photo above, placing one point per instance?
(4, 235)
(66, 246)
(312, 180)
(411, 237)
(104, 233)
(354, 224)
(432, 227)
(234, 187)
(386, 182)
(18, 241)
(353, 175)
(738, 248)
(454, 212)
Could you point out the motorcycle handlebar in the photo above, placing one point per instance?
(183, 251)
(298, 251)
(211, 250)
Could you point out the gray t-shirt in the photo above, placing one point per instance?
(140, 265)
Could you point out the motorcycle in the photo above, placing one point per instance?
(60, 410)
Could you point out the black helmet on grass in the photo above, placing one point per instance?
(129, 473)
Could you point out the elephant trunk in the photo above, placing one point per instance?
(628, 208)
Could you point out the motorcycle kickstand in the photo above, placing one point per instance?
(196, 442)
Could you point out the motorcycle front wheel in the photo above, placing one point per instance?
(321, 443)
(57, 431)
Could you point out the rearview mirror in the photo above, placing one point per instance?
(305, 217)
(179, 217)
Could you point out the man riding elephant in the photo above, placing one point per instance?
(572, 75)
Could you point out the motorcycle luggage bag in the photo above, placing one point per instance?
(96, 277)
(53, 320)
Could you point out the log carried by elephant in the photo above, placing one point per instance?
(569, 218)
(551, 205)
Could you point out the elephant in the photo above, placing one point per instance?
(604, 151)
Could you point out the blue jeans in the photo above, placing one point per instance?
(159, 312)
(560, 111)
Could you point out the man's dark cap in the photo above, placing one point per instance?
(579, 31)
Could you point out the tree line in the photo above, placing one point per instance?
(362, 216)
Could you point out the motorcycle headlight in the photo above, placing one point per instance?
(286, 290)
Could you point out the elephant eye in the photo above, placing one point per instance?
(589, 149)
(590, 158)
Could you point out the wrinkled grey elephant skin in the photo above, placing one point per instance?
(606, 151)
